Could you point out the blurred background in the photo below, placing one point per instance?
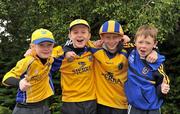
(19, 18)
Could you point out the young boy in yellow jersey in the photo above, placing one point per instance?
(110, 67)
(77, 77)
(147, 83)
(31, 75)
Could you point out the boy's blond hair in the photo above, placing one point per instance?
(147, 30)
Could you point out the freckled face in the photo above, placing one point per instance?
(144, 45)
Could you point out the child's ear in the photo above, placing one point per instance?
(32, 46)
(101, 37)
(89, 36)
(69, 36)
(155, 44)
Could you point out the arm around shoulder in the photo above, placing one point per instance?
(12, 77)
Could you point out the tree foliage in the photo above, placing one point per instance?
(19, 18)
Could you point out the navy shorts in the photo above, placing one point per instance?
(101, 109)
(85, 107)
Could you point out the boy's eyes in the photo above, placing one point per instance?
(141, 42)
(76, 32)
(114, 37)
(45, 45)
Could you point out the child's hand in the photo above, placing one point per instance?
(152, 57)
(28, 52)
(98, 43)
(24, 84)
(70, 55)
(165, 87)
(125, 39)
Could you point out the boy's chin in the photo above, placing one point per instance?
(112, 48)
(80, 46)
(44, 56)
(142, 56)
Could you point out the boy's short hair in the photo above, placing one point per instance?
(78, 22)
(111, 26)
(42, 35)
(147, 30)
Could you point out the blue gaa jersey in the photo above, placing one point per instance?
(141, 86)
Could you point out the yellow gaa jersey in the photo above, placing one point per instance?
(111, 74)
(37, 75)
(77, 78)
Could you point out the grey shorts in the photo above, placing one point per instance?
(133, 110)
(31, 109)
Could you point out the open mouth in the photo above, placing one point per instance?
(80, 40)
(143, 52)
(46, 53)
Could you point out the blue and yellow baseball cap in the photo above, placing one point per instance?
(111, 26)
(42, 35)
(79, 22)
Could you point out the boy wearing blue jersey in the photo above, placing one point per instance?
(31, 75)
(147, 82)
(77, 76)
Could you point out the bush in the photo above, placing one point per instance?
(5, 110)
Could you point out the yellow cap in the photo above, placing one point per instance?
(42, 35)
(79, 22)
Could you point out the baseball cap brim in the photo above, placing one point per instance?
(43, 40)
(78, 24)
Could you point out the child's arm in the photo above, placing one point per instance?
(70, 55)
(165, 87)
(162, 82)
(68, 52)
(12, 78)
(125, 39)
(99, 43)
(152, 57)
(24, 84)
(11, 81)
(28, 52)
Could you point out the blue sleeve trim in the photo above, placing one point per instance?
(94, 50)
(57, 64)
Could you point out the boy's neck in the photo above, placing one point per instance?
(43, 61)
(78, 50)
